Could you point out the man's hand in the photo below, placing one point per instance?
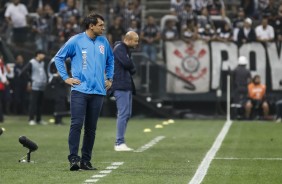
(72, 81)
(28, 86)
(108, 84)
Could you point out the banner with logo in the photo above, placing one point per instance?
(191, 64)
(198, 67)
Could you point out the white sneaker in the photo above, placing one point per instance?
(32, 122)
(278, 120)
(122, 147)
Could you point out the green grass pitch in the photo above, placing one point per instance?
(251, 153)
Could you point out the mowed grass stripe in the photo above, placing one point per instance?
(256, 151)
(204, 166)
(232, 158)
(173, 160)
(149, 144)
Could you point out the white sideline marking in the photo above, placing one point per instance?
(99, 176)
(150, 144)
(103, 173)
(233, 158)
(112, 167)
(204, 166)
(117, 163)
(91, 181)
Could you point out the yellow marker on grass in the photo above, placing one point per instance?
(159, 126)
(147, 130)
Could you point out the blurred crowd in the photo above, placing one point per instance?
(46, 24)
(43, 24)
(249, 20)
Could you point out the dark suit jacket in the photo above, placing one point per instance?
(250, 38)
(124, 69)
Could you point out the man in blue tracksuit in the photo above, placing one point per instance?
(123, 86)
(91, 57)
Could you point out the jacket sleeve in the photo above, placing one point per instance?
(252, 36)
(109, 62)
(27, 69)
(67, 50)
(123, 58)
(240, 36)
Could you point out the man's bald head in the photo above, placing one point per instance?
(131, 39)
(131, 35)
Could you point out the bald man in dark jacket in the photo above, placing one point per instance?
(123, 86)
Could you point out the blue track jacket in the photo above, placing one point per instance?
(90, 60)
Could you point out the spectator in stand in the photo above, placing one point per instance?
(75, 25)
(39, 29)
(205, 19)
(134, 27)
(238, 23)
(68, 31)
(216, 7)
(128, 15)
(32, 5)
(54, 4)
(69, 10)
(19, 86)
(190, 32)
(224, 33)
(249, 7)
(3, 82)
(262, 6)
(137, 8)
(246, 33)
(116, 31)
(198, 5)
(62, 5)
(3, 26)
(102, 8)
(277, 24)
(177, 6)
(51, 28)
(16, 15)
(207, 33)
(257, 100)
(170, 32)
(271, 9)
(59, 28)
(150, 36)
(185, 15)
(120, 7)
(265, 32)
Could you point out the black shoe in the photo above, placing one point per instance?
(87, 166)
(74, 165)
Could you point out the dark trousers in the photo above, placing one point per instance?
(19, 100)
(85, 109)
(19, 35)
(60, 107)
(36, 98)
(1, 106)
(278, 107)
